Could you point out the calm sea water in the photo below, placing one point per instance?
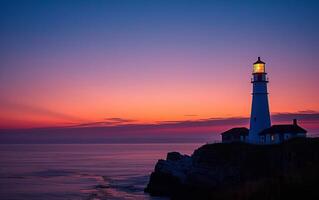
(80, 171)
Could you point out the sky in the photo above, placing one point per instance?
(99, 63)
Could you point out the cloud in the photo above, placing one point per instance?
(205, 122)
(126, 130)
(190, 115)
(307, 112)
(123, 123)
(107, 122)
(209, 125)
(307, 115)
(119, 120)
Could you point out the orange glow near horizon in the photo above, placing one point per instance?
(155, 99)
(151, 104)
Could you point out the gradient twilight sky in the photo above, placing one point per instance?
(73, 62)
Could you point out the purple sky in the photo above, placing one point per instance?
(81, 62)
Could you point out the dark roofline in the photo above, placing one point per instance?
(283, 128)
(237, 130)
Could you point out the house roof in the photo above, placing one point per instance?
(235, 131)
(283, 128)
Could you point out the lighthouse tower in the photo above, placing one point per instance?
(260, 117)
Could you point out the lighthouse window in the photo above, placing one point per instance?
(272, 138)
(259, 68)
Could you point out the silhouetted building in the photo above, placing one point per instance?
(235, 135)
(282, 132)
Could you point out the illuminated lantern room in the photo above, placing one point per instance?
(259, 66)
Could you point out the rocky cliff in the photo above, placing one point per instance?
(240, 171)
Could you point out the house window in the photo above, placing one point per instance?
(272, 138)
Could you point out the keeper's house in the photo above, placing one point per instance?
(279, 133)
(239, 134)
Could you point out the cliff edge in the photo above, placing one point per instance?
(240, 171)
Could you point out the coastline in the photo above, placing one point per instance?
(240, 171)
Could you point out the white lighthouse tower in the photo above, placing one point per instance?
(260, 117)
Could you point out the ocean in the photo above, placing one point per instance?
(81, 171)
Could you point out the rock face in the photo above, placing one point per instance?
(169, 174)
(240, 171)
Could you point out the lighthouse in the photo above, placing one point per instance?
(259, 117)
(261, 131)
